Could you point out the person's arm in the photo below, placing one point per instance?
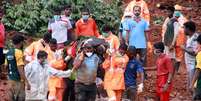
(78, 61)
(20, 66)
(189, 51)
(96, 32)
(146, 13)
(153, 68)
(59, 73)
(69, 27)
(49, 26)
(170, 67)
(176, 32)
(77, 29)
(28, 52)
(27, 71)
(140, 70)
(195, 78)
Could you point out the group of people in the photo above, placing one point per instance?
(60, 67)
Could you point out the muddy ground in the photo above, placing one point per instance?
(179, 91)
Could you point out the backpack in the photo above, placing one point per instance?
(13, 72)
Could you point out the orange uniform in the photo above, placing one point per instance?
(55, 84)
(113, 41)
(88, 28)
(31, 51)
(114, 75)
(181, 39)
(144, 9)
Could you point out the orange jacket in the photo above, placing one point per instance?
(86, 29)
(113, 41)
(114, 72)
(58, 63)
(31, 51)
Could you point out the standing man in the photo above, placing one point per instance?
(2, 43)
(190, 50)
(32, 50)
(55, 84)
(67, 17)
(144, 12)
(86, 26)
(15, 64)
(137, 34)
(60, 27)
(86, 63)
(196, 82)
(164, 69)
(171, 32)
(110, 38)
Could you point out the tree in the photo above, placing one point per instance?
(31, 16)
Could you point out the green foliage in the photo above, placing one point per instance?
(31, 16)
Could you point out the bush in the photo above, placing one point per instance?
(31, 16)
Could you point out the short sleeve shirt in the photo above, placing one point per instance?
(137, 36)
(198, 60)
(127, 24)
(164, 65)
(191, 44)
(87, 71)
(60, 29)
(19, 57)
(133, 67)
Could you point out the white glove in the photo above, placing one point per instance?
(99, 81)
(68, 73)
(140, 88)
(67, 58)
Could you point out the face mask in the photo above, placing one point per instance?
(89, 54)
(157, 53)
(137, 14)
(105, 34)
(56, 17)
(85, 17)
(44, 62)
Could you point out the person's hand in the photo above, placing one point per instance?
(28, 86)
(182, 47)
(99, 81)
(171, 47)
(165, 87)
(140, 88)
(81, 56)
(191, 88)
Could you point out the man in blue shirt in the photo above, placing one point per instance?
(133, 67)
(136, 34)
(86, 63)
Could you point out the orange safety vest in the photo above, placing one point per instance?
(113, 41)
(59, 64)
(114, 72)
(33, 49)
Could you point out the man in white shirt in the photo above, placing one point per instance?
(59, 27)
(190, 50)
(37, 73)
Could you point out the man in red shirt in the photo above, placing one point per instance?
(86, 26)
(2, 42)
(164, 68)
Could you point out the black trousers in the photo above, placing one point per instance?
(85, 92)
(69, 92)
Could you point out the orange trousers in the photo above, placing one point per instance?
(114, 95)
(56, 95)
